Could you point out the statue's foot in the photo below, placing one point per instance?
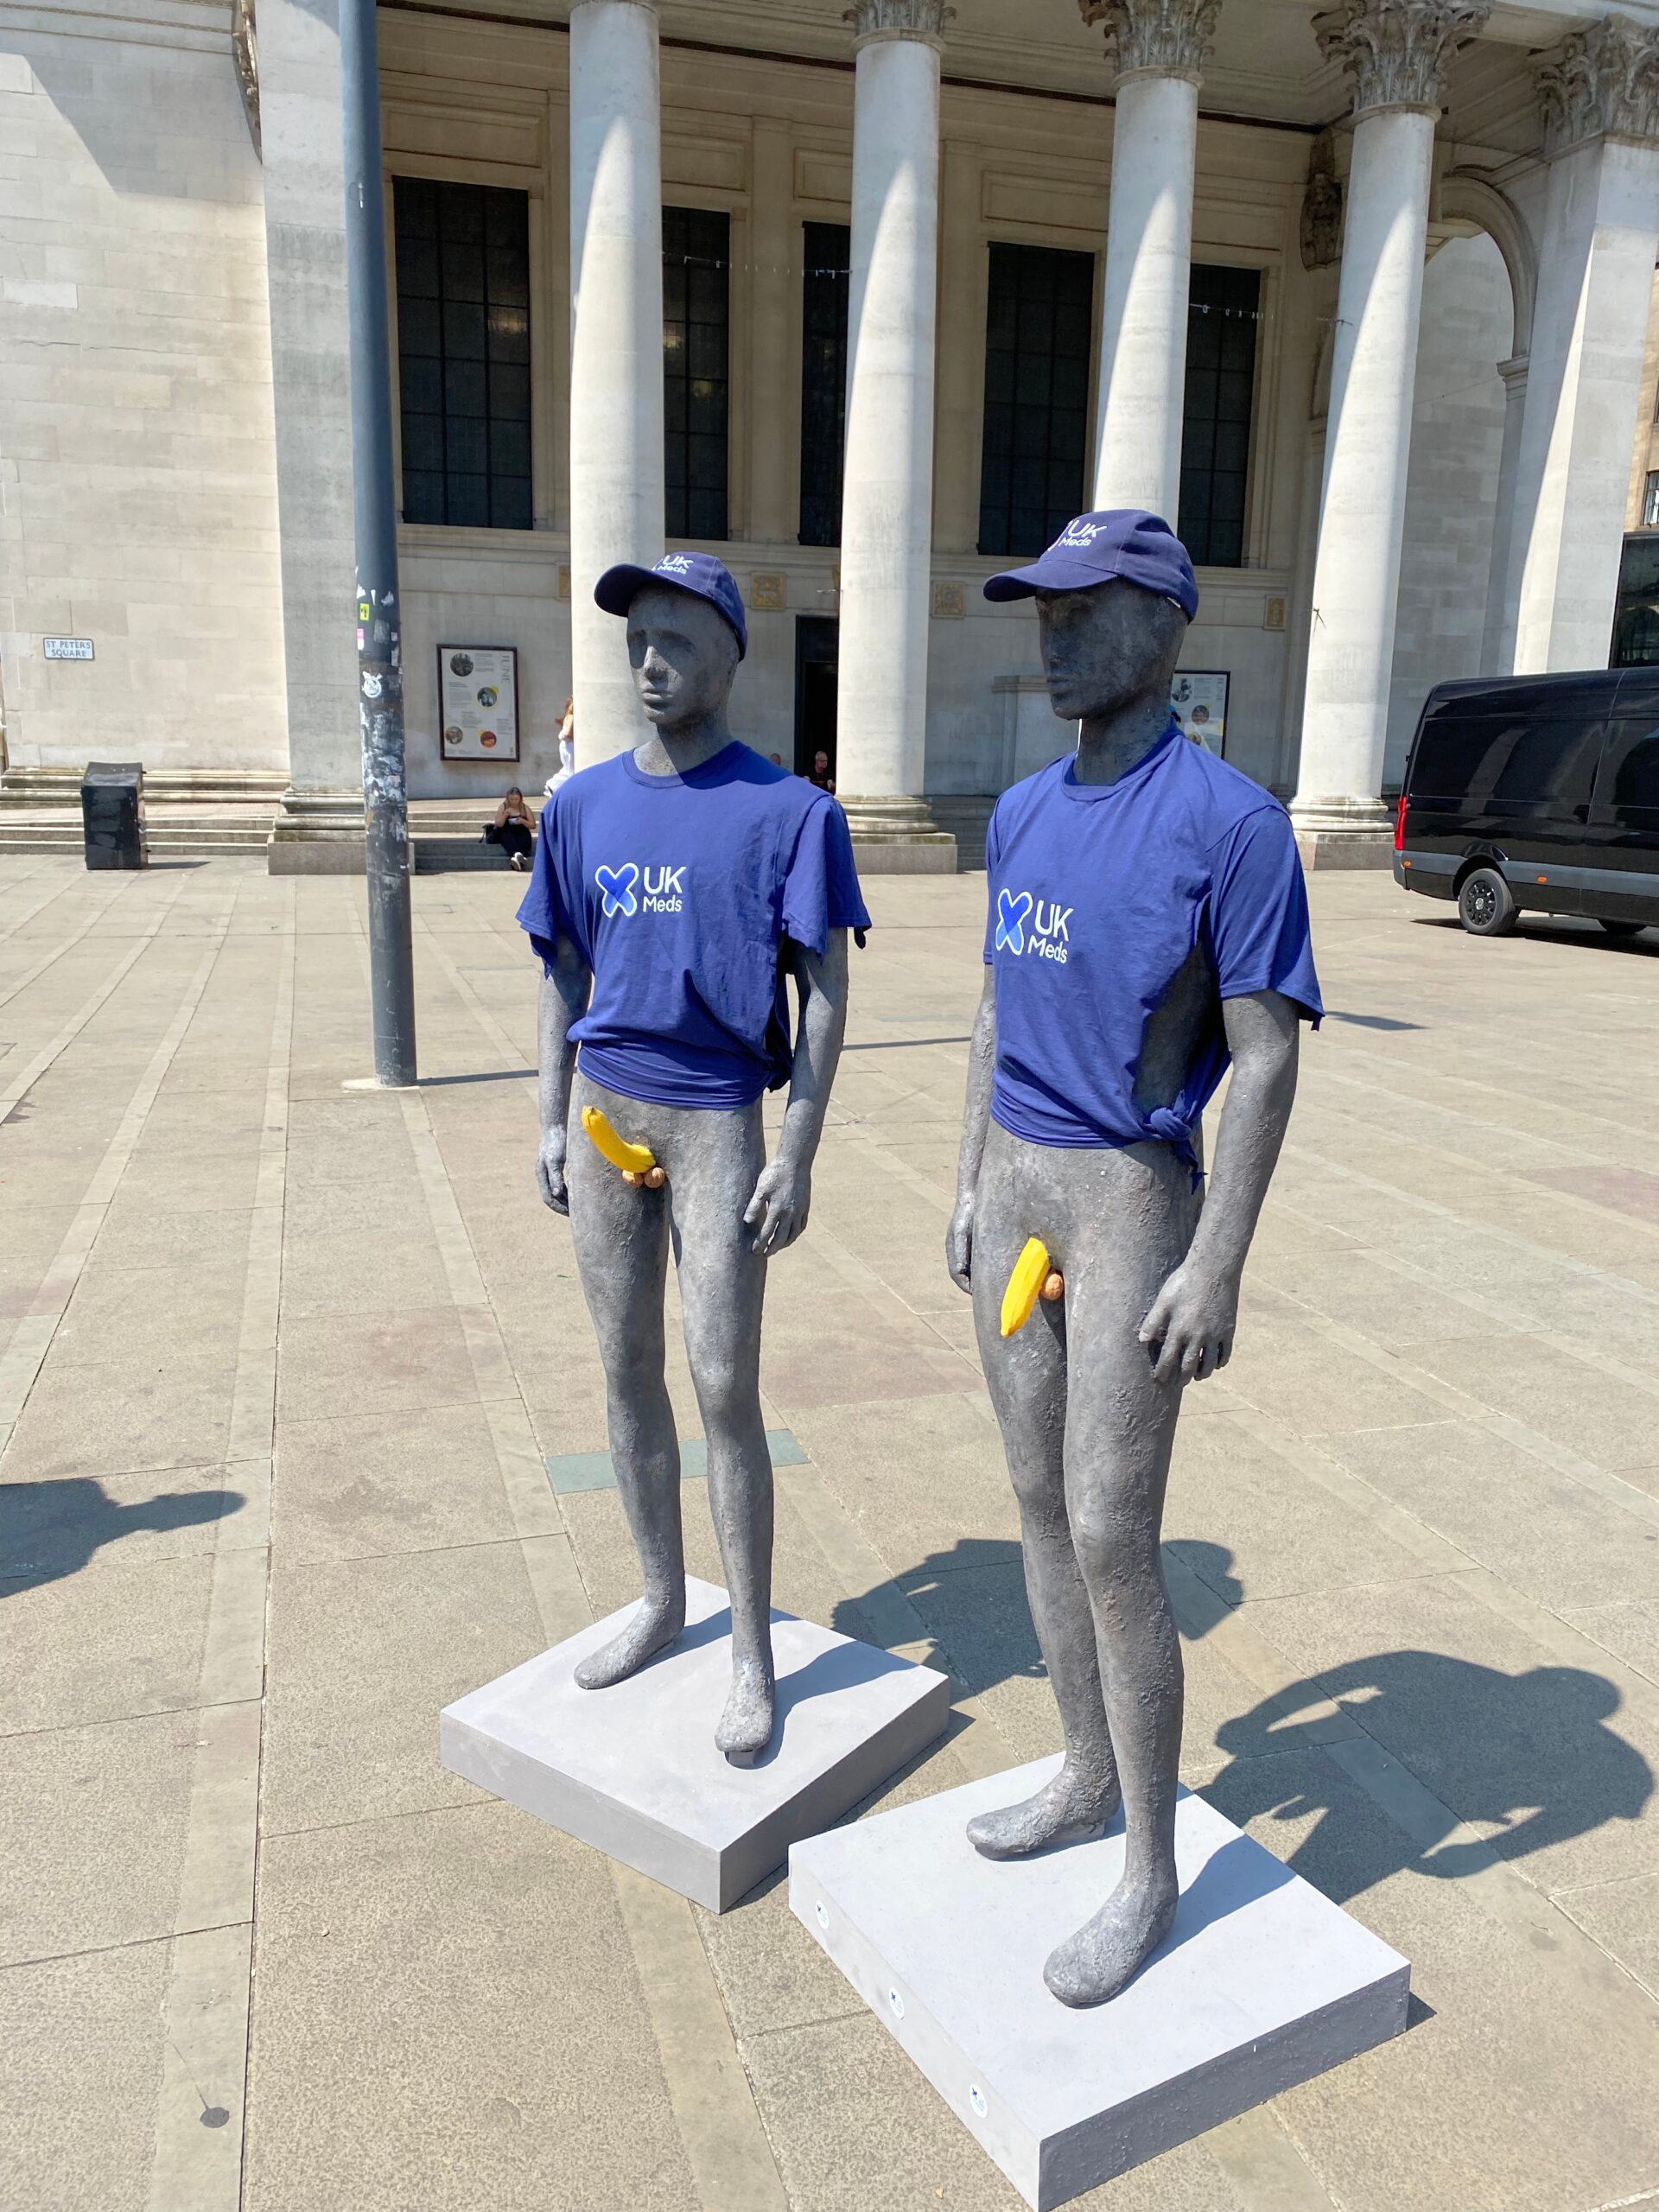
(1106, 1955)
(745, 1726)
(651, 1630)
(1066, 1811)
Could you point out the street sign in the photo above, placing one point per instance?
(67, 648)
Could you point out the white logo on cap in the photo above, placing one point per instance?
(675, 564)
(1078, 533)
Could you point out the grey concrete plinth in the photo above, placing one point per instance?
(930, 856)
(634, 1772)
(1345, 849)
(1262, 1984)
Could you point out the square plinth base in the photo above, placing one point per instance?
(634, 1770)
(1261, 1983)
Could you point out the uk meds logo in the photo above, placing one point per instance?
(1048, 936)
(662, 890)
(675, 564)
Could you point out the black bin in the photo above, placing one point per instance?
(112, 814)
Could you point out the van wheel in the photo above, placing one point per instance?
(1486, 905)
(1621, 928)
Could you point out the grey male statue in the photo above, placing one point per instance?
(1087, 1392)
(720, 1204)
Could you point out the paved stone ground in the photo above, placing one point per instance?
(256, 1948)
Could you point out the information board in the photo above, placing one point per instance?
(1199, 697)
(478, 702)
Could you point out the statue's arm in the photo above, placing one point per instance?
(975, 1121)
(1192, 1319)
(565, 986)
(783, 1196)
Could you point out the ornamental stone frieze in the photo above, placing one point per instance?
(922, 19)
(1397, 51)
(1173, 37)
(245, 53)
(1603, 81)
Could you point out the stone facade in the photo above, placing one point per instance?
(138, 476)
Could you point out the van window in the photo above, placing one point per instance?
(1457, 760)
(1508, 761)
(1629, 782)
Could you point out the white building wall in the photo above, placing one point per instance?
(1457, 435)
(135, 442)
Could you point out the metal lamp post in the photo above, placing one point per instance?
(379, 658)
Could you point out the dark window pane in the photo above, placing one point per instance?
(463, 344)
(1222, 313)
(696, 288)
(423, 441)
(423, 496)
(826, 288)
(468, 501)
(1038, 330)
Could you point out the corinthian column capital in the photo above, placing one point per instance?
(1601, 81)
(918, 19)
(1171, 38)
(1397, 51)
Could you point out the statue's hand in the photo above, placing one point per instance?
(777, 1213)
(959, 1244)
(1189, 1329)
(549, 1171)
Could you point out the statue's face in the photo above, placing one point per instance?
(683, 655)
(1105, 647)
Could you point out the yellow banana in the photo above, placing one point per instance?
(631, 1158)
(1026, 1284)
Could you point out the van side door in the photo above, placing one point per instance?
(1539, 810)
(1624, 875)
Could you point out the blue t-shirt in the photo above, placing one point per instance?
(1099, 894)
(678, 892)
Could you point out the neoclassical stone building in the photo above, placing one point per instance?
(868, 299)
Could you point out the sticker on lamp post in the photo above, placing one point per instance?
(67, 648)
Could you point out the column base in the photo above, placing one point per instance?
(318, 833)
(898, 837)
(1346, 833)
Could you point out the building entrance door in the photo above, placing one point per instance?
(817, 649)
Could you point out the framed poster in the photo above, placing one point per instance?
(1199, 699)
(478, 703)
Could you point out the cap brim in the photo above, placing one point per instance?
(615, 589)
(1046, 574)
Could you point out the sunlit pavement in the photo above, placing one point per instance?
(253, 1939)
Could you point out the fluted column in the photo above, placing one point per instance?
(1600, 93)
(1158, 49)
(887, 532)
(1397, 51)
(616, 347)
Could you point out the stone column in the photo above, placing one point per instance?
(1497, 632)
(887, 532)
(1158, 49)
(1397, 51)
(318, 828)
(616, 347)
(1599, 92)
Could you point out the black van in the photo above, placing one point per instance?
(1537, 791)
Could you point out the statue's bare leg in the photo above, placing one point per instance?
(621, 1238)
(1130, 1225)
(1027, 1377)
(722, 1285)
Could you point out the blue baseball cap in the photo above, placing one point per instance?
(1125, 542)
(700, 573)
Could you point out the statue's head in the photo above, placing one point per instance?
(686, 634)
(1115, 593)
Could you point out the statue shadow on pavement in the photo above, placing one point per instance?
(50, 1530)
(1528, 1759)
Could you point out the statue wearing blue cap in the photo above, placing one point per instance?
(1148, 926)
(676, 888)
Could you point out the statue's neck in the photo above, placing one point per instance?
(675, 751)
(1110, 744)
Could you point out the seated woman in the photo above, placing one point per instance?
(513, 830)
